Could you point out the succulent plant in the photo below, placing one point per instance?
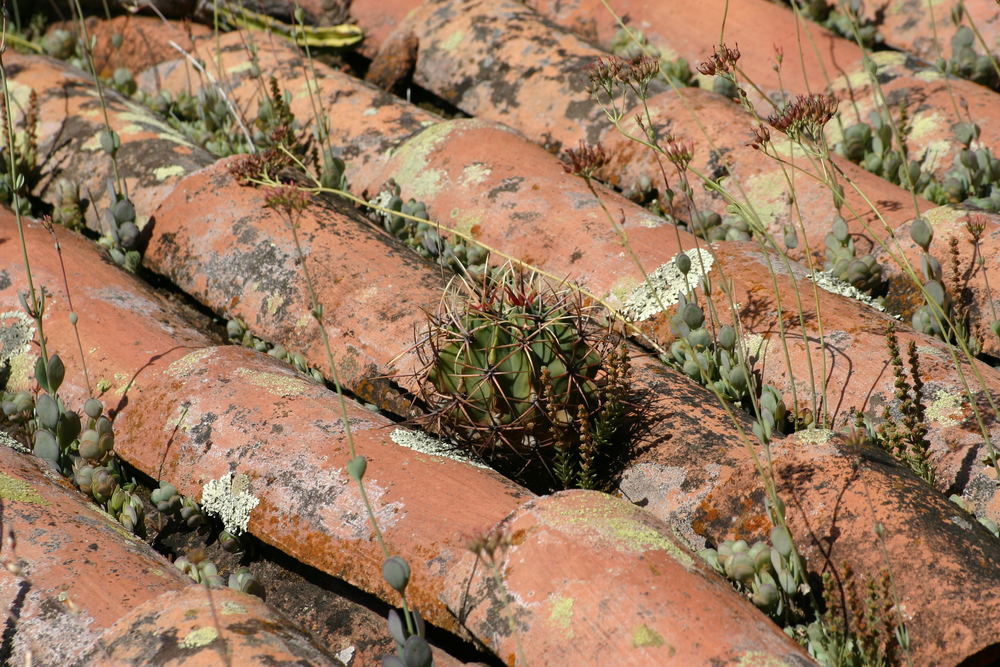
(244, 581)
(238, 334)
(512, 366)
(423, 236)
(200, 570)
(766, 573)
(864, 273)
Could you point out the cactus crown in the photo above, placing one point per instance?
(513, 368)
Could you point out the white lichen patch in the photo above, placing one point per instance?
(835, 285)
(814, 436)
(668, 283)
(346, 654)
(229, 498)
(651, 221)
(426, 444)
(946, 409)
(201, 637)
(7, 440)
(17, 330)
(475, 174)
(755, 345)
(230, 608)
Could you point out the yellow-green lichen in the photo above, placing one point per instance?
(645, 636)
(203, 636)
(926, 123)
(616, 523)
(562, 614)
(190, 362)
(17, 490)
(943, 215)
(946, 409)
(413, 174)
(163, 173)
(463, 220)
(935, 152)
(274, 302)
(17, 330)
(452, 41)
(276, 384)
(767, 196)
(815, 436)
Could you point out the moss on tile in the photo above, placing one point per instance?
(18, 490)
(183, 367)
(163, 173)
(562, 614)
(452, 41)
(203, 636)
(644, 636)
(615, 522)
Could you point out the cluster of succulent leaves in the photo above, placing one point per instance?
(631, 44)
(203, 571)
(721, 363)
(842, 261)
(842, 18)
(79, 448)
(120, 233)
(773, 576)
(520, 375)
(973, 179)
(425, 237)
(239, 334)
(965, 61)
(407, 629)
(206, 118)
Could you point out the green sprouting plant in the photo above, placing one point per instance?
(778, 585)
(906, 438)
(973, 179)
(517, 372)
(939, 316)
(19, 168)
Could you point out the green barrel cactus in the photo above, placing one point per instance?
(513, 367)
